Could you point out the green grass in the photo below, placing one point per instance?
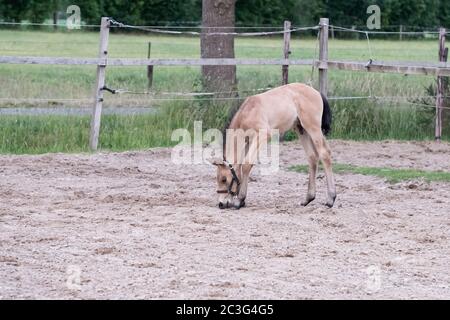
(75, 81)
(56, 133)
(355, 119)
(391, 175)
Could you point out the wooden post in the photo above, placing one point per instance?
(332, 32)
(287, 52)
(401, 32)
(323, 56)
(443, 55)
(217, 15)
(100, 83)
(149, 68)
(55, 20)
(356, 34)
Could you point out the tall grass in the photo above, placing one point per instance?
(59, 133)
(407, 118)
(374, 122)
(48, 133)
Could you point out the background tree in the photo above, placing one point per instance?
(38, 11)
(90, 10)
(443, 14)
(420, 13)
(172, 12)
(217, 15)
(14, 10)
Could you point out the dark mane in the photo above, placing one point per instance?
(231, 113)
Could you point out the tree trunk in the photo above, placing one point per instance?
(218, 13)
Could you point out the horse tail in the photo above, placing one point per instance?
(326, 116)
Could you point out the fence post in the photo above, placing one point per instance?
(149, 69)
(356, 34)
(323, 56)
(100, 83)
(443, 55)
(401, 32)
(55, 20)
(287, 51)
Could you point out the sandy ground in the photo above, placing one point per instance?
(132, 225)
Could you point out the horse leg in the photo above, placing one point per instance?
(313, 160)
(249, 160)
(246, 168)
(324, 152)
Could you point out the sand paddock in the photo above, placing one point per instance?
(132, 225)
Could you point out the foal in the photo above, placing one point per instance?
(295, 106)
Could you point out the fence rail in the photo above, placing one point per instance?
(424, 68)
(150, 62)
(323, 64)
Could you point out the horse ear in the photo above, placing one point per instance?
(216, 161)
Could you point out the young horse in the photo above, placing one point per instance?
(294, 105)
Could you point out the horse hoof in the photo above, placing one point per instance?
(306, 202)
(330, 204)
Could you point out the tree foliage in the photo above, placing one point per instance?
(420, 13)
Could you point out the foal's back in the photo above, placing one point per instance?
(279, 108)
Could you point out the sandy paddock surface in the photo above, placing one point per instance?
(132, 225)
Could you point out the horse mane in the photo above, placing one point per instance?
(231, 113)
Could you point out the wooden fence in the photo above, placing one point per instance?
(439, 69)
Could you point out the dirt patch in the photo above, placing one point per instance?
(132, 225)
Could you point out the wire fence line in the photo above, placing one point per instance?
(338, 28)
(167, 93)
(195, 33)
(48, 99)
(194, 94)
(394, 26)
(196, 26)
(163, 28)
(179, 96)
(251, 34)
(44, 24)
(397, 99)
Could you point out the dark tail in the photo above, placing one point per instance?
(326, 116)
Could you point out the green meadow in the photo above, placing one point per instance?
(32, 85)
(389, 174)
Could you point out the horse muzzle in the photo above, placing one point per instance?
(237, 203)
(223, 205)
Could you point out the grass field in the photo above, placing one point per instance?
(391, 175)
(353, 119)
